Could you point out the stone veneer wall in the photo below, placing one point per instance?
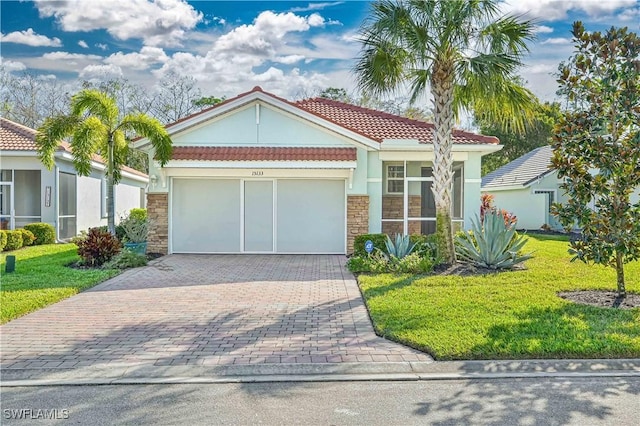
(393, 208)
(158, 213)
(357, 218)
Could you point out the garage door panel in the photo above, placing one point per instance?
(311, 216)
(205, 216)
(258, 216)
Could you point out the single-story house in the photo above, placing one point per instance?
(29, 192)
(527, 187)
(261, 174)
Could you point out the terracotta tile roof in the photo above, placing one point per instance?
(16, 137)
(378, 125)
(245, 153)
(372, 124)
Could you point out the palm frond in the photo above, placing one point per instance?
(89, 134)
(152, 129)
(95, 102)
(52, 131)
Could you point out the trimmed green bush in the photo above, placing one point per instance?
(380, 263)
(126, 259)
(379, 242)
(44, 233)
(138, 214)
(14, 240)
(27, 237)
(3, 239)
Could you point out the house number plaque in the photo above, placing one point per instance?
(257, 173)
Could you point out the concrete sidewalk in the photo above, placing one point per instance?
(110, 374)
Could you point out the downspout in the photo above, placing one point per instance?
(56, 204)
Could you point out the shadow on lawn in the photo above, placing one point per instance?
(567, 331)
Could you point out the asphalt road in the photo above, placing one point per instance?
(586, 401)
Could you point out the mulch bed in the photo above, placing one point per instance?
(465, 269)
(602, 299)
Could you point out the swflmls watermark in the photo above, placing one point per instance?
(35, 414)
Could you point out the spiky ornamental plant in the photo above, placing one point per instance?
(466, 54)
(597, 147)
(94, 126)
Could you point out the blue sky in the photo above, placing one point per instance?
(289, 48)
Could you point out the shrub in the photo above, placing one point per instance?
(380, 263)
(44, 233)
(135, 230)
(98, 247)
(427, 246)
(486, 206)
(401, 247)
(126, 259)
(14, 240)
(27, 237)
(492, 244)
(138, 214)
(3, 239)
(378, 240)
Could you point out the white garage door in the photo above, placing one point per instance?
(258, 216)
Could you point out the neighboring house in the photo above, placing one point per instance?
(29, 192)
(260, 174)
(527, 187)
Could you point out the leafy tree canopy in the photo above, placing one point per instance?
(597, 147)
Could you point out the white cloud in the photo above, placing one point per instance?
(542, 68)
(630, 15)
(101, 46)
(30, 38)
(315, 6)
(542, 29)
(262, 53)
(83, 43)
(556, 40)
(101, 72)
(66, 56)
(139, 61)
(553, 10)
(11, 66)
(157, 22)
(47, 77)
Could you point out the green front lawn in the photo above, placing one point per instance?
(41, 278)
(507, 315)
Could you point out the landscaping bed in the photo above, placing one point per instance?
(507, 315)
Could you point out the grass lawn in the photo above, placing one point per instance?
(41, 278)
(507, 315)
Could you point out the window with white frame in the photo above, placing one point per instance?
(395, 179)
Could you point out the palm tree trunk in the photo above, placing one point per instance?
(442, 91)
(111, 222)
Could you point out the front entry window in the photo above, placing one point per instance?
(414, 212)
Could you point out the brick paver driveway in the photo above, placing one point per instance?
(207, 310)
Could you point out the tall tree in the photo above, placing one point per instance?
(465, 54)
(597, 147)
(94, 125)
(176, 97)
(515, 144)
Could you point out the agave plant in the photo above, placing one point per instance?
(401, 247)
(493, 243)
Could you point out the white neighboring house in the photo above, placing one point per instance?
(527, 187)
(29, 192)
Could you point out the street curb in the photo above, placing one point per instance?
(265, 373)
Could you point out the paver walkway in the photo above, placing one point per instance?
(207, 310)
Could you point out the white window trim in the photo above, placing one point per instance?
(387, 178)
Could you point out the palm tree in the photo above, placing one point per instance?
(95, 125)
(465, 53)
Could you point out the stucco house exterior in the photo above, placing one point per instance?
(261, 174)
(527, 187)
(29, 192)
